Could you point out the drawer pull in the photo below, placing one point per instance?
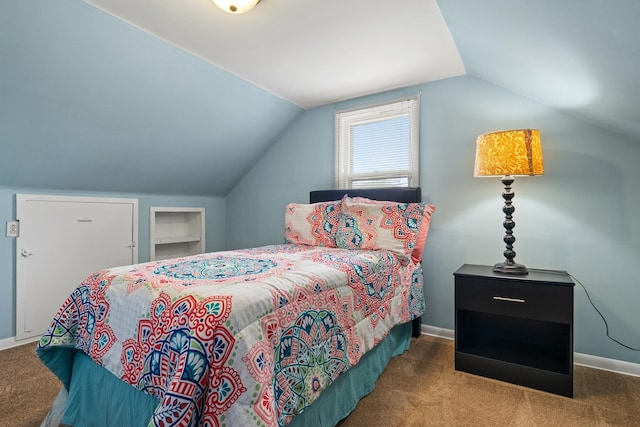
(509, 299)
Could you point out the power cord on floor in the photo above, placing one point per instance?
(606, 325)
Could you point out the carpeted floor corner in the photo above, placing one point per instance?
(27, 387)
(421, 388)
(418, 389)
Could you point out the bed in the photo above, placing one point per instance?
(291, 334)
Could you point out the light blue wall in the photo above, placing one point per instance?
(579, 216)
(296, 163)
(89, 102)
(215, 215)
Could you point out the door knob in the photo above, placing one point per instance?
(25, 253)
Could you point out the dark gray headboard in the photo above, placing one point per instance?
(394, 194)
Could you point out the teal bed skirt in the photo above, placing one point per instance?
(98, 398)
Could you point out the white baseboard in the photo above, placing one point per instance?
(438, 332)
(613, 365)
(12, 342)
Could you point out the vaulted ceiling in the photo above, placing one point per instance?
(582, 56)
(180, 97)
(307, 51)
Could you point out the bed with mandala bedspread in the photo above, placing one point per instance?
(236, 338)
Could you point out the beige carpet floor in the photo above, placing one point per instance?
(27, 387)
(419, 388)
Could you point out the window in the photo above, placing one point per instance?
(377, 146)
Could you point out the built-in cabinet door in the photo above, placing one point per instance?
(62, 240)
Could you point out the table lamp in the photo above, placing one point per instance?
(507, 154)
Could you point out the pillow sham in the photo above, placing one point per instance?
(371, 224)
(312, 224)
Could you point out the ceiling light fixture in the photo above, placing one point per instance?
(236, 6)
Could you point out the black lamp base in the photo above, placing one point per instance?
(510, 268)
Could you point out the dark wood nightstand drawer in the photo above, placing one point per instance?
(528, 300)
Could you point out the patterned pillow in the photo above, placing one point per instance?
(370, 224)
(312, 224)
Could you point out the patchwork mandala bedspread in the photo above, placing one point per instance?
(238, 338)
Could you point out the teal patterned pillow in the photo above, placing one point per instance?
(370, 224)
(312, 224)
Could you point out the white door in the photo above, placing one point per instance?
(62, 240)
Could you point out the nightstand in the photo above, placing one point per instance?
(515, 328)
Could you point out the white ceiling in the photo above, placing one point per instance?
(309, 52)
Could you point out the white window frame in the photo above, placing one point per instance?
(345, 120)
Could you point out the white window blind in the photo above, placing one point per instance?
(378, 146)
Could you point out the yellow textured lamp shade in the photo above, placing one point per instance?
(509, 152)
